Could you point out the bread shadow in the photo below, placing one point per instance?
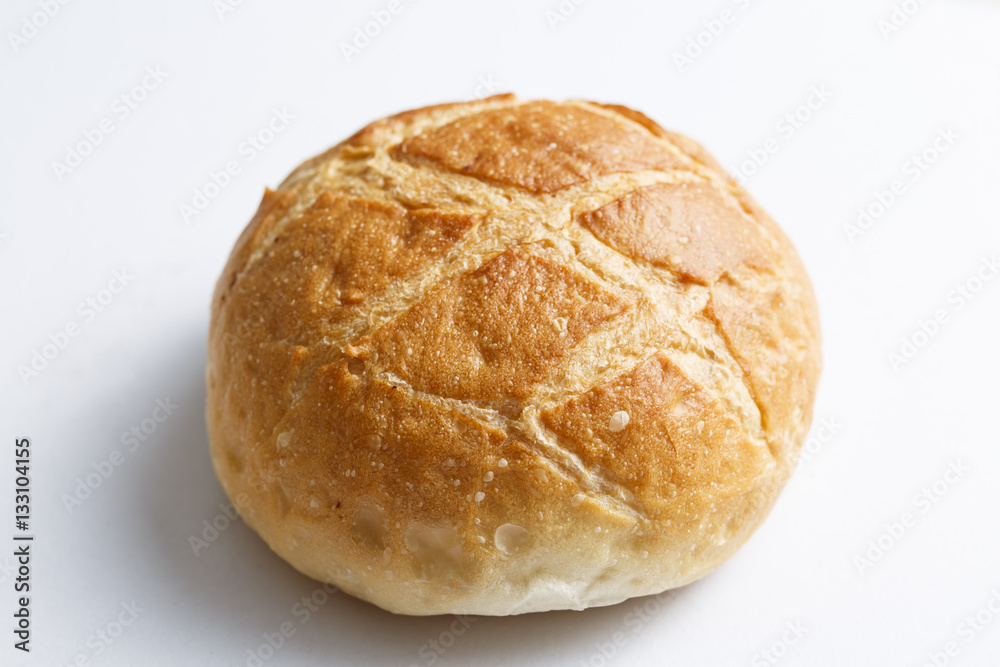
(237, 599)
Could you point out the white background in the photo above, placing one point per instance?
(893, 431)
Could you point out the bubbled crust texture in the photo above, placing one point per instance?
(420, 342)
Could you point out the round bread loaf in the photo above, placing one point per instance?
(501, 356)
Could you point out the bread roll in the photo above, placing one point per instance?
(502, 356)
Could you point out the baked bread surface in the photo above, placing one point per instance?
(503, 356)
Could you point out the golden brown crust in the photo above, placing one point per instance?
(687, 227)
(364, 245)
(369, 135)
(679, 444)
(762, 330)
(686, 145)
(493, 333)
(502, 356)
(538, 146)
